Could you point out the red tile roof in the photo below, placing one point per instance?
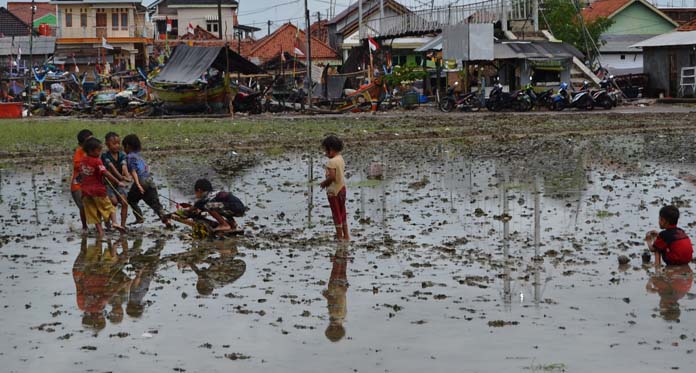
(603, 8)
(285, 39)
(22, 9)
(689, 26)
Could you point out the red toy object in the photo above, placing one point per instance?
(10, 110)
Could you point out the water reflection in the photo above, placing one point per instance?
(671, 283)
(335, 294)
(215, 263)
(99, 276)
(145, 266)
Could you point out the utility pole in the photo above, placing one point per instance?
(360, 19)
(308, 54)
(219, 22)
(31, 48)
(381, 15)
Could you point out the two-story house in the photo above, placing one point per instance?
(196, 13)
(85, 27)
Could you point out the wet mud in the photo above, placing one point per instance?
(471, 257)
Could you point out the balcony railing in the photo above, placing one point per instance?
(132, 31)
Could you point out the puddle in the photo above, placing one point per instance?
(493, 258)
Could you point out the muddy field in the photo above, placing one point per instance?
(499, 256)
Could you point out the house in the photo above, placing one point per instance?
(17, 50)
(45, 12)
(667, 57)
(11, 25)
(345, 23)
(633, 21)
(292, 43)
(90, 32)
(186, 14)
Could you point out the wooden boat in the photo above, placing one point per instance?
(191, 98)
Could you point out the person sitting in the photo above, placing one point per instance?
(672, 244)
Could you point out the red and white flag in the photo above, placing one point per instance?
(190, 29)
(169, 25)
(298, 52)
(372, 43)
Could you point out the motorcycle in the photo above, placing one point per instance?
(248, 100)
(499, 100)
(469, 101)
(541, 99)
(580, 100)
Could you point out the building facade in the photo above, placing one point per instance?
(196, 13)
(91, 32)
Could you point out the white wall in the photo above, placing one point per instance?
(197, 17)
(631, 61)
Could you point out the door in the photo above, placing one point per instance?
(101, 25)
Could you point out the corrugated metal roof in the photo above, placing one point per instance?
(622, 43)
(673, 38)
(42, 45)
(434, 44)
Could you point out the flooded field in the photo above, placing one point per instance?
(490, 257)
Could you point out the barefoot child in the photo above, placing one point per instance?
(672, 245)
(75, 189)
(115, 161)
(97, 205)
(222, 206)
(335, 185)
(143, 187)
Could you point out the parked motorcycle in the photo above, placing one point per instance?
(248, 100)
(541, 99)
(580, 100)
(468, 101)
(499, 100)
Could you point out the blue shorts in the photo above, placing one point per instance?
(110, 191)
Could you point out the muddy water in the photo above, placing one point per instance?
(465, 258)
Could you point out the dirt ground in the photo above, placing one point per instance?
(481, 243)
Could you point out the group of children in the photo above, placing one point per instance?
(100, 181)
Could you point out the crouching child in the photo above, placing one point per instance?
(672, 245)
(222, 206)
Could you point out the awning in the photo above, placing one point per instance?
(546, 65)
(187, 64)
(211, 18)
(163, 18)
(433, 45)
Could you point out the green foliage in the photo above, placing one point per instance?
(566, 25)
(406, 74)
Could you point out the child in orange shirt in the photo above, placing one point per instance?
(75, 188)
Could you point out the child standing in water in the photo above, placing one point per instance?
(114, 160)
(75, 188)
(143, 187)
(335, 185)
(96, 204)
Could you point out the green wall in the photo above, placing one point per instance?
(637, 19)
(48, 18)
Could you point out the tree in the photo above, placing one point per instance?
(565, 24)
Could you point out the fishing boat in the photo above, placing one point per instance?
(196, 79)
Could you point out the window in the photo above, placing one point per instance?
(211, 26)
(83, 17)
(68, 18)
(124, 21)
(114, 21)
(623, 57)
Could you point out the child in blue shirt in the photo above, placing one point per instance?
(144, 187)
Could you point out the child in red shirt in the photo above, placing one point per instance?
(75, 190)
(97, 205)
(672, 244)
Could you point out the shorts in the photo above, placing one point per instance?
(97, 209)
(111, 193)
(77, 197)
(338, 207)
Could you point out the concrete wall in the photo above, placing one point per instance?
(630, 61)
(638, 19)
(656, 64)
(197, 17)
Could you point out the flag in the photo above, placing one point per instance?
(374, 46)
(282, 55)
(190, 29)
(169, 25)
(298, 52)
(19, 53)
(105, 45)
